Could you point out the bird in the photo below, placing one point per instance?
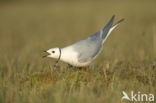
(82, 53)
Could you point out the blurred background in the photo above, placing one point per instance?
(27, 27)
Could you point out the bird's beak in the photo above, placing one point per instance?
(45, 55)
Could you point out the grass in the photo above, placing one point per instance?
(127, 61)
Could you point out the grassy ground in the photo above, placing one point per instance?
(128, 61)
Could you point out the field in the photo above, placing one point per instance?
(127, 62)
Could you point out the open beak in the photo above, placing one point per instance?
(45, 55)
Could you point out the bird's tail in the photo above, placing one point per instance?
(107, 29)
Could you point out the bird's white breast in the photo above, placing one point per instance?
(70, 56)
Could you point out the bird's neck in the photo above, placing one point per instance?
(68, 55)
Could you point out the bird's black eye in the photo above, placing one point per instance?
(53, 51)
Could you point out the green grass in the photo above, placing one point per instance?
(127, 62)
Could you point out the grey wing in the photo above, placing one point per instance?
(103, 33)
(106, 29)
(88, 49)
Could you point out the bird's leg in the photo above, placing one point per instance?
(84, 68)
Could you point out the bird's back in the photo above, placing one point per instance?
(88, 48)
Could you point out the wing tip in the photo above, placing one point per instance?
(121, 20)
(113, 17)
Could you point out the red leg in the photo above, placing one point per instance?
(84, 68)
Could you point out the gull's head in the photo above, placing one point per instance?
(53, 53)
